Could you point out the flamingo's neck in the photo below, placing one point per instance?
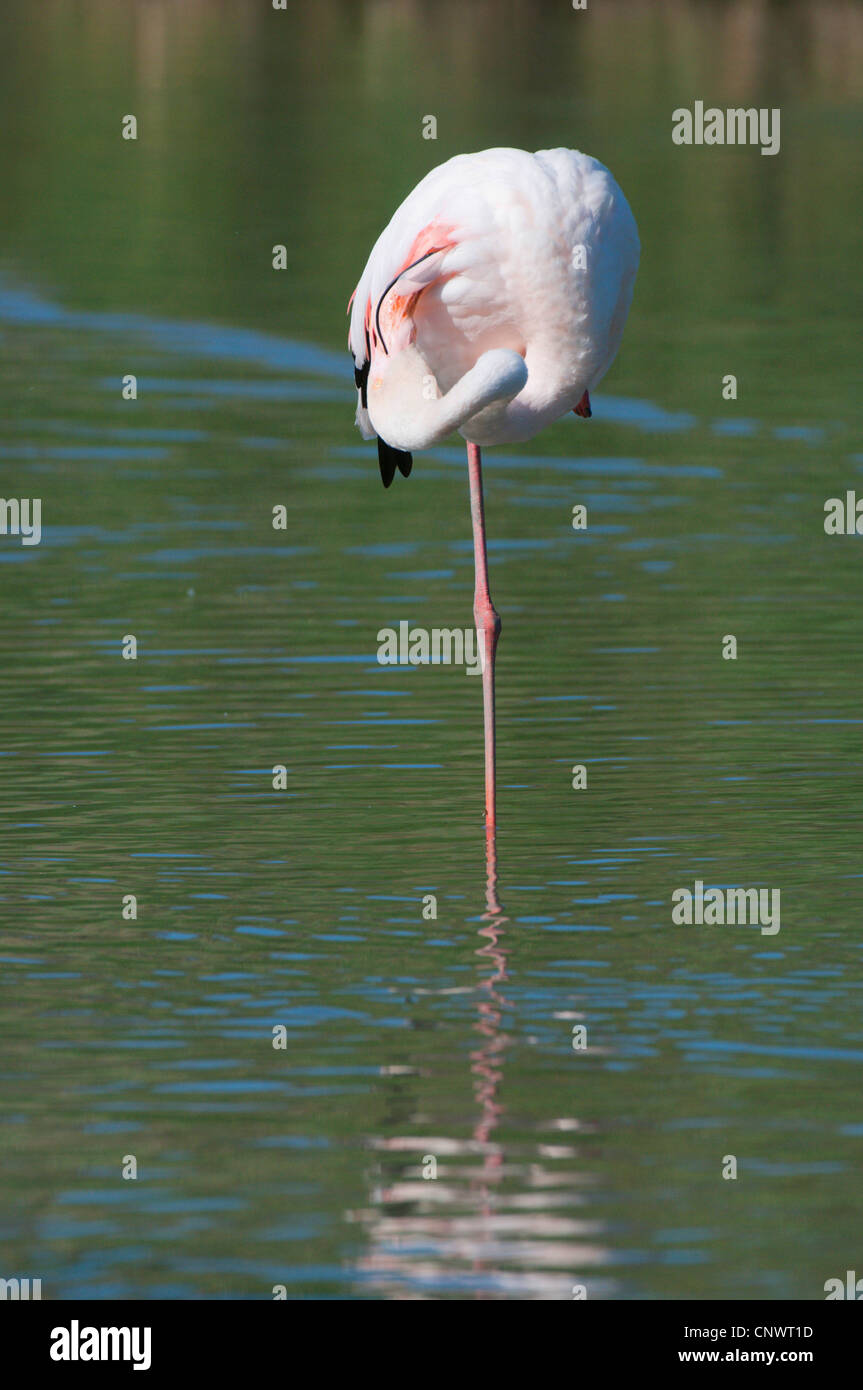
(407, 411)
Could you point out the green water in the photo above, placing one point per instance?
(409, 1038)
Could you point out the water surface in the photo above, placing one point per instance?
(409, 1038)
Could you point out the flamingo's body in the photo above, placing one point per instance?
(492, 303)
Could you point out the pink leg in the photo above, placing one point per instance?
(486, 620)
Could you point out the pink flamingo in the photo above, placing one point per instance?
(492, 303)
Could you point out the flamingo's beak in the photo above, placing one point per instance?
(583, 408)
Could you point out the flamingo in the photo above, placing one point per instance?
(492, 303)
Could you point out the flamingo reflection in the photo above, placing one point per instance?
(490, 1231)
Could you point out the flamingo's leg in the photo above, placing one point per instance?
(487, 623)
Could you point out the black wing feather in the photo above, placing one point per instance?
(390, 459)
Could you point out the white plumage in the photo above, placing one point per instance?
(493, 257)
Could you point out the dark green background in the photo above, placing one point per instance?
(256, 647)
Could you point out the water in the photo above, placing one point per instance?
(411, 1039)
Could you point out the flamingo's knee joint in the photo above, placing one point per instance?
(486, 617)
